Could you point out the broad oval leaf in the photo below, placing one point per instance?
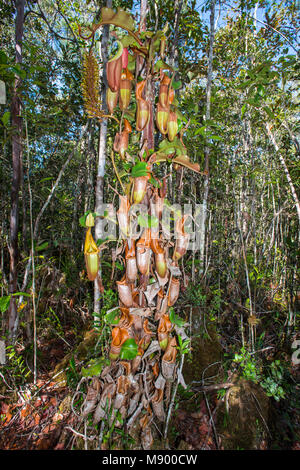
(94, 368)
(140, 169)
(4, 303)
(175, 318)
(129, 349)
(112, 317)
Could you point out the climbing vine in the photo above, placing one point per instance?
(146, 334)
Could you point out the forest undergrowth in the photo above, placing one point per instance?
(226, 384)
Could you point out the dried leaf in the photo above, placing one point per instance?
(185, 161)
(158, 405)
(151, 292)
(146, 438)
(121, 18)
(90, 401)
(174, 269)
(141, 311)
(105, 402)
(160, 382)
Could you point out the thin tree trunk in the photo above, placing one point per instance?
(143, 15)
(178, 4)
(285, 169)
(207, 148)
(33, 287)
(38, 219)
(16, 166)
(174, 47)
(75, 206)
(89, 167)
(148, 133)
(99, 190)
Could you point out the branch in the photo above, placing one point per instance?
(69, 26)
(116, 171)
(293, 137)
(212, 388)
(285, 168)
(267, 26)
(43, 17)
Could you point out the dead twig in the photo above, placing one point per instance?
(211, 388)
(79, 434)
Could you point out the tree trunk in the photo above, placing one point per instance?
(99, 190)
(16, 167)
(174, 63)
(207, 148)
(285, 169)
(174, 47)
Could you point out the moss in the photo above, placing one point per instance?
(205, 352)
(81, 352)
(87, 344)
(242, 418)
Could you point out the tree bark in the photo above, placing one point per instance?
(16, 167)
(207, 148)
(174, 48)
(99, 190)
(143, 15)
(178, 4)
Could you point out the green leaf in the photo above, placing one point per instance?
(160, 64)
(4, 303)
(243, 110)
(3, 58)
(269, 112)
(112, 317)
(176, 85)
(261, 90)
(41, 247)
(5, 118)
(148, 222)
(82, 219)
(175, 318)
(118, 266)
(19, 71)
(129, 349)
(154, 182)
(201, 131)
(94, 367)
(140, 169)
(46, 179)
(24, 294)
(100, 241)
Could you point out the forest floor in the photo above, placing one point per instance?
(45, 415)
